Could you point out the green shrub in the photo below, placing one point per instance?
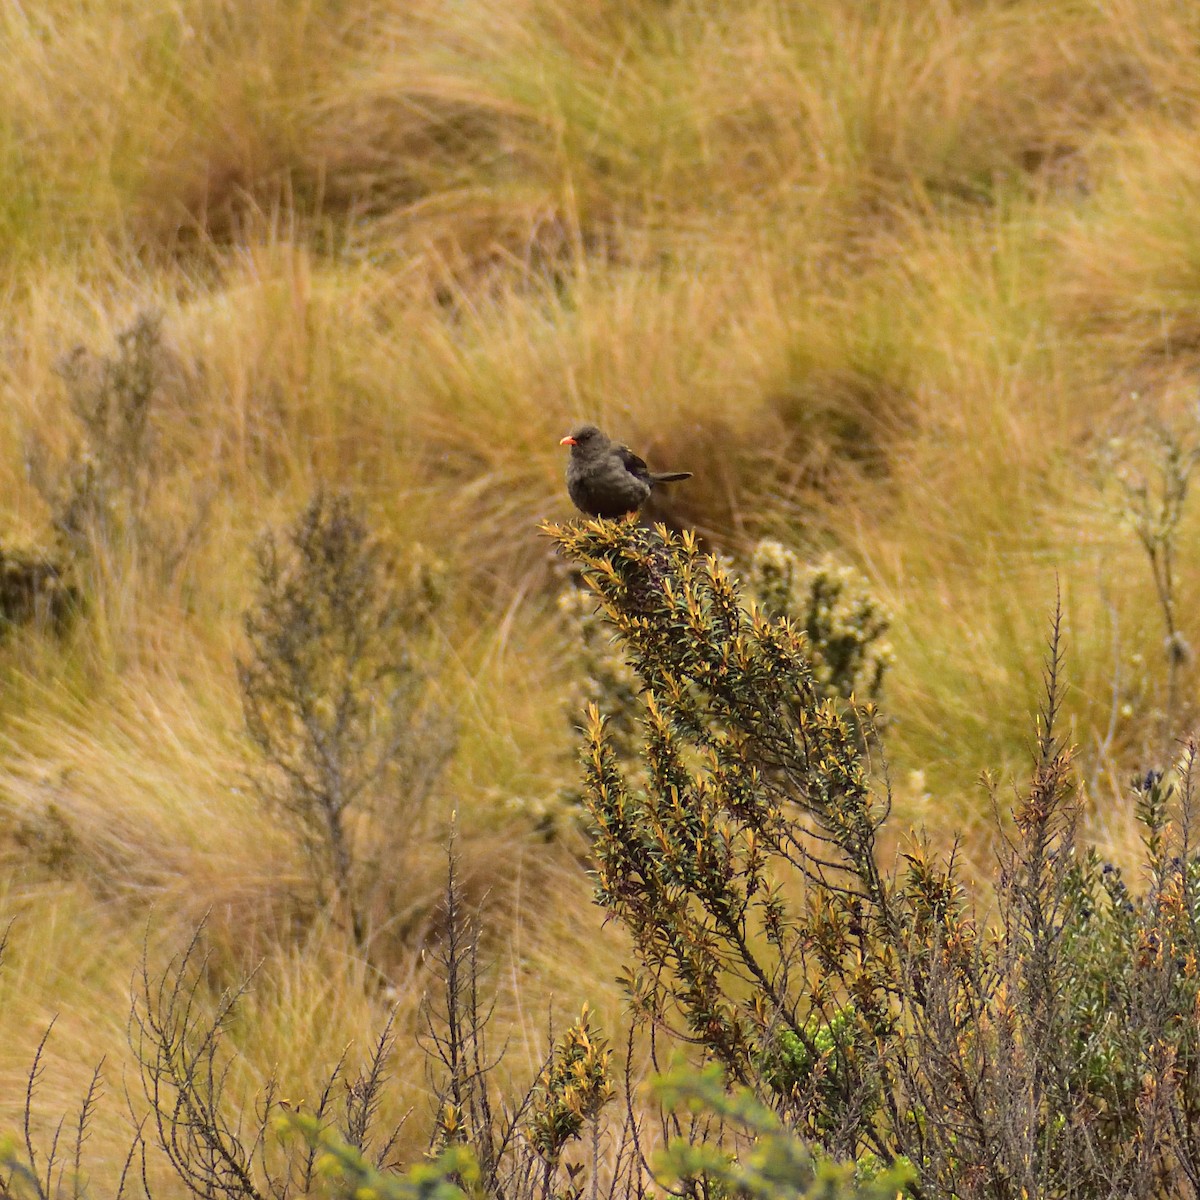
(1048, 1048)
(768, 1162)
(342, 1172)
(832, 603)
(843, 623)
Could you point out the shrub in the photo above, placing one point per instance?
(508, 1142)
(832, 603)
(769, 1163)
(335, 691)
(843, 623)
(486, 1138)
(1049, 1050)
(104, 494)
(517, 1137)
(868, 1028)
(1149, 470)
(224, 1148)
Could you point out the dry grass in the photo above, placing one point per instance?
(884, 276)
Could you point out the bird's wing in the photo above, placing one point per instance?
(633, 464)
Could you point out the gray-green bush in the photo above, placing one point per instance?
(336, 694)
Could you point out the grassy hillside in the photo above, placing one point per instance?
(887, 277)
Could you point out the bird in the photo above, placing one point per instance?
(605, 478)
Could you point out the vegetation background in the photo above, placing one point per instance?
(889, 277)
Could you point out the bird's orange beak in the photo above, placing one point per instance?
(568, 441)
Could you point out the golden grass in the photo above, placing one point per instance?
(885, 276)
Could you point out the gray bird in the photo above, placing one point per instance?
(606, 479)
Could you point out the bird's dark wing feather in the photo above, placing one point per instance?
(633, 464)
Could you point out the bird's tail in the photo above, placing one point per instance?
(671, 477)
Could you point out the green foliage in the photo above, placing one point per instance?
(770, 1163)
(746, 764)
(868, 1031)
(573, 1088)
(843, 626)
(342, 1172)
(335, 690)
(767, 1164)
(1134, 990)
(843, 621)
(1049, 1049)
(832, 604)
(815, 1062)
